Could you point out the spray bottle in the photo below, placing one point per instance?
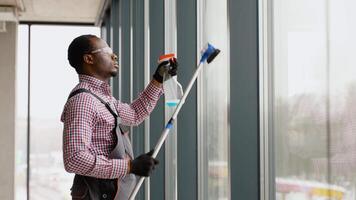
(173, 91)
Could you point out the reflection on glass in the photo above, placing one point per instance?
(51, 80)
(21, 114)
(314, 90)
(214, 99)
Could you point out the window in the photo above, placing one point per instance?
(51, 79)
(313, 95)
(213, 91)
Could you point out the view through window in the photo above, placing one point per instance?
(214, 106)
(51, 80)
(314, 90)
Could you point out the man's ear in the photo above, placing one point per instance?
(88, 59)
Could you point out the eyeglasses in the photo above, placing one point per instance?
(107, 50)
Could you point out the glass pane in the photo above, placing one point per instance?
(314, 87)
(214, 99)
(342, 149)
(51, 79)
(21, 114)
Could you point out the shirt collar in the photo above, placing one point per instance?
(95, 83)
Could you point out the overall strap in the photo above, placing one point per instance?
(107, 105)
(96, 96)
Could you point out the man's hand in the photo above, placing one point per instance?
(144, 164)
(166, 68)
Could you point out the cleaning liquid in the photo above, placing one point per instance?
(173, 91)
(172, 102)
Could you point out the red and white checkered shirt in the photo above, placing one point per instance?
(87, 135)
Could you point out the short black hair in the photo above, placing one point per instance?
(77, 48)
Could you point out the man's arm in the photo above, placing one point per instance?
(79, 124)
(140, 109)
(133, 114)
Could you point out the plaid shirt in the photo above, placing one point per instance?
(87, 136)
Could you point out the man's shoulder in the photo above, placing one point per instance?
(80, 85)
(79, 101)
(79, 95)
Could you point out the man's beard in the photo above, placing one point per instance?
(114, 74)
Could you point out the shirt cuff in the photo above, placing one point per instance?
(120, 168)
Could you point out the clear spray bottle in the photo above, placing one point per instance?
(173, 91)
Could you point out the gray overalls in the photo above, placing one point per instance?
(90, 188)
(122, 150)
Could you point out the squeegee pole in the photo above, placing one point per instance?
(168, 128)
(189, 87)
(175, 114)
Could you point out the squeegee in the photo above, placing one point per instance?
(208, 54)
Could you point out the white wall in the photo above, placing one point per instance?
(7, 110)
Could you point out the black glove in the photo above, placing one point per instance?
(166, 68)
(144, 164)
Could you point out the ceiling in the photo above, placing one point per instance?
(56, 11)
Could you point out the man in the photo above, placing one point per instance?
(96, 146)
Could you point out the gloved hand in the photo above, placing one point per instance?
(144, 164)
(166, 68)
